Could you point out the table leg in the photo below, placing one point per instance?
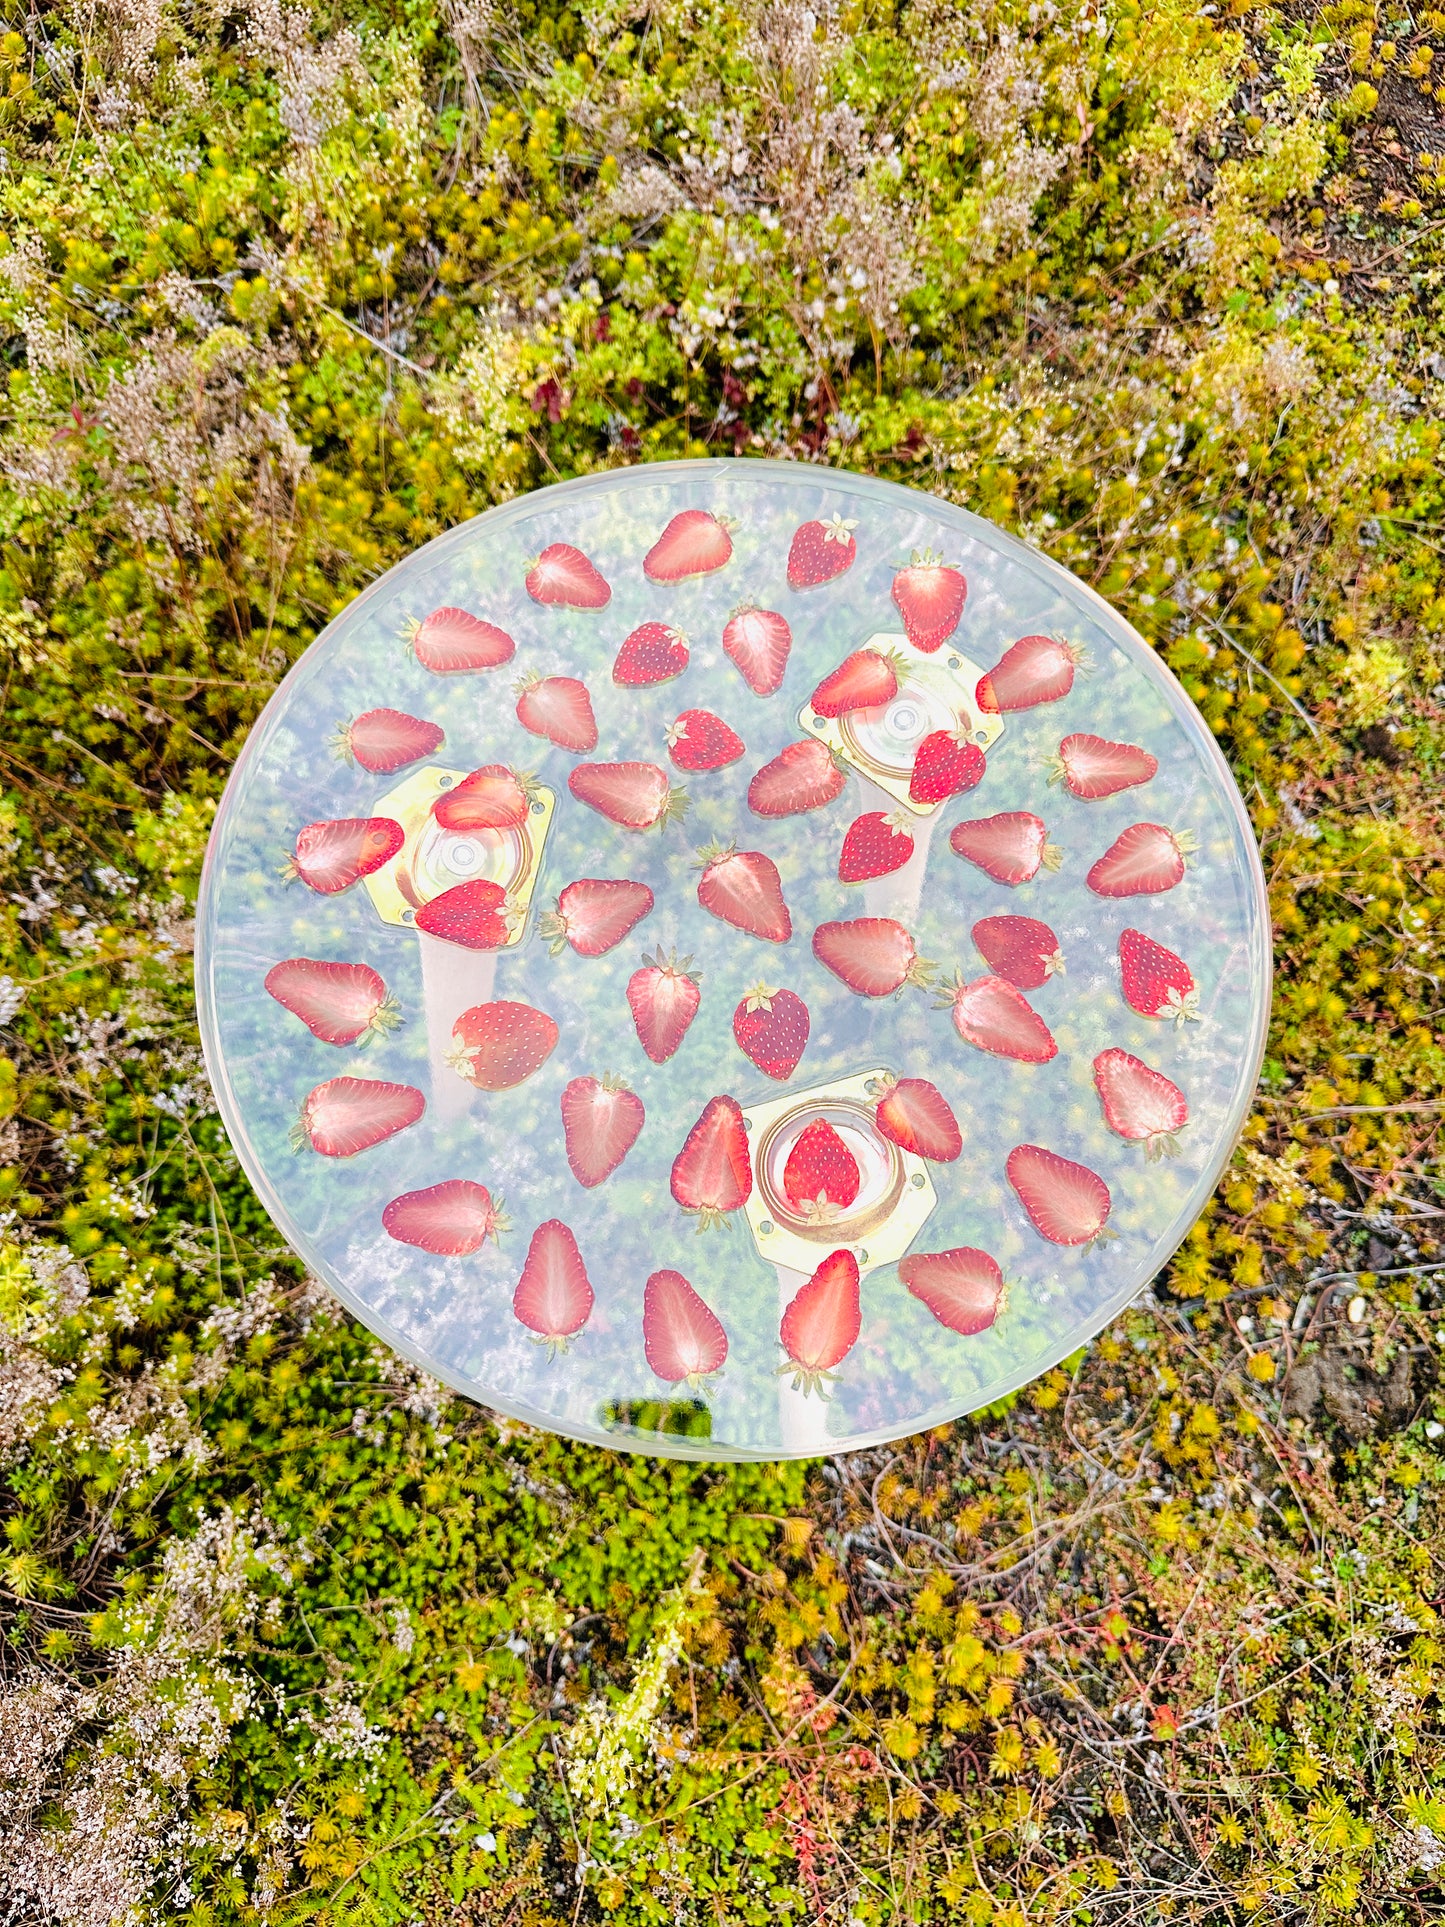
(453, 979)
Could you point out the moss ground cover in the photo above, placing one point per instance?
(287, 1635)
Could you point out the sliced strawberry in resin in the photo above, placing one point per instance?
(1021, 949)
(382, 740)
(652, 653)
(963, 1288)
(759, 642)
(820, 552)
(1011, 847)
(1140, 1104)
(563, 577)
(1067, 1203)
(492, 798)
(594, 914)
(945, 764)
(1143, 861)
(663, 997)
(347, 1115)
(916, 1116)
(451, 1219)
(873, 956)
(698, 740)
(601, 1121)
(450, 642)
(930, 597)
(475, 915)
(771, 1028)
(821, 1324)
(712, 1173)
(875, 845)
(554, 1296)
(694, 542)
(1156, 981)
(743, 888)
(804, 776)
(821, 1175)
(1037, 669)
(684, 1341)
(865, 680)
(330, 857)
(634, 795)
(499, 1045)
(559, 708)
(1091, 767)
(993, 1016)
(341, 1003)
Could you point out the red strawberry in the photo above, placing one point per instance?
(743, 888)
(874, 956)
(820, 551)
(711, 1174)
(821, 1325)
(330, 857)
(1036, 670)
(1142, 861)
(451, 1219)
(601, 1121)
(1010, 846)
(1156, 982)
(636, 795)
(1067, 1203)
(945, 764)
(930, 599)
(595, 913)
(554, 1296)
(1089, 767)
(682, 1338)
(663, 997)
(350, 1114)
(771, 1027)
(563, 576)
(963, 1288)
(559, 708)
(382, 740)
(821, 1177)
(801, 777)
(917, 1116)
(875, 846)
(341, 1003)
(699, 740)
(498, 1046)
(652, 653)
(758, 640)
(1140, 1104)
(473, 914)
(693, 543)
(451, 641)
(866, 680)
(991, 1015)
(492, 798)
(1021, 949)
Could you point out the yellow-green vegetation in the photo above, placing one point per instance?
(287, 1634)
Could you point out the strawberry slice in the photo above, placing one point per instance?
(475, 915)
(743, 888)
(821, 1176)
(801, 777)
(450, 642)
(1067, 1203)
(865, 680)
(991, 1015)
(963, 1288)
(492, 798)
(635, 795)
(1142, 861)
(1010, 847)
(1140, 1104)
(712, 1174)
(1090, 767)
(945, 764)
(652, 653)
(1156, 982)
(663, 997)
(875, 845)
(451, 1219)
(821, 551)
(771, 1028)
(693, 543)
(758, 641)
(601, 1121)
(821, 1324)
(559, 708)
(595, 913)
(330, 857)
(341, 1003)
(683, 1340)
(930, 598)
(554, 1296)
(1038, 669)
(1021, 949)
(346, 1115)
(499, 1045)
(382, 740)
(698, 740)
(563, 577)
(873, 956)
(916, 1116)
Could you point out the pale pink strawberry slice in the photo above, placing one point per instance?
(963, 1288)
(634, 795)
(743, 888)
(1021, 949)
(499, 1045)
(821, 1324)
(991, 1015)
(1140, 1104)
(341, 1003)
(601, 1121)
(1142, 861)
(1011, 847)
(663, 997)
(698, 740)
(1090, 767)
(758, 641)
(873, 956)
(820, 551)
(865, 680)
(693, 543)
(683, 1340)
(652, 653)
(1067, 1203)
(594, 913)
(875, 845)
(1156, 982)
(1038, 669)
(554, 1296)
(451, 1219)
(346, 1115)
(930, 598)
(474, 914)
(804, 776)
(916, 1116)
(330, 857)
(450, 642)
(563, 577)
(382, 740)
(712, 1174)
(492, 798)
(559, 708)
(821, 1175)
(945, 764)
(771, 1028)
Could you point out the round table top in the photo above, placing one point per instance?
(732, 959)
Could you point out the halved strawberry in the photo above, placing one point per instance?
(873, 956)
(450, 642)
(1090, 767)
(341, 1003)
(346, 1115)
(758, 640)
(330, 857)
(820, 551)
(712, 1173)
(743, 888)
(771, 1028)
(875, 845)
(963, 1288)
(492, 798)
(635, 795)
(663, 997)
(1021, 949)
(1156, 982)
(564, 577)
(554, 1296)
(1140, 1104)
(804, 776)
(594, 913)
(559, 708)
(693, 543)
(499, 1045)
(1067, 1203)
(382, 740)
(683, 1340)
(991, 1015)
(1142, 861)
(1038, 669)
(451, 1219)
(945, 764)
(930, 598)
(476, 915)
(821, 1175)
(821, 1324)
(915, 1115)
(865, 680)
(601, 1121)
(1010, 847)
(652, 653)
(698, 740)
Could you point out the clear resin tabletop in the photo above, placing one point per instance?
(732, 959)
